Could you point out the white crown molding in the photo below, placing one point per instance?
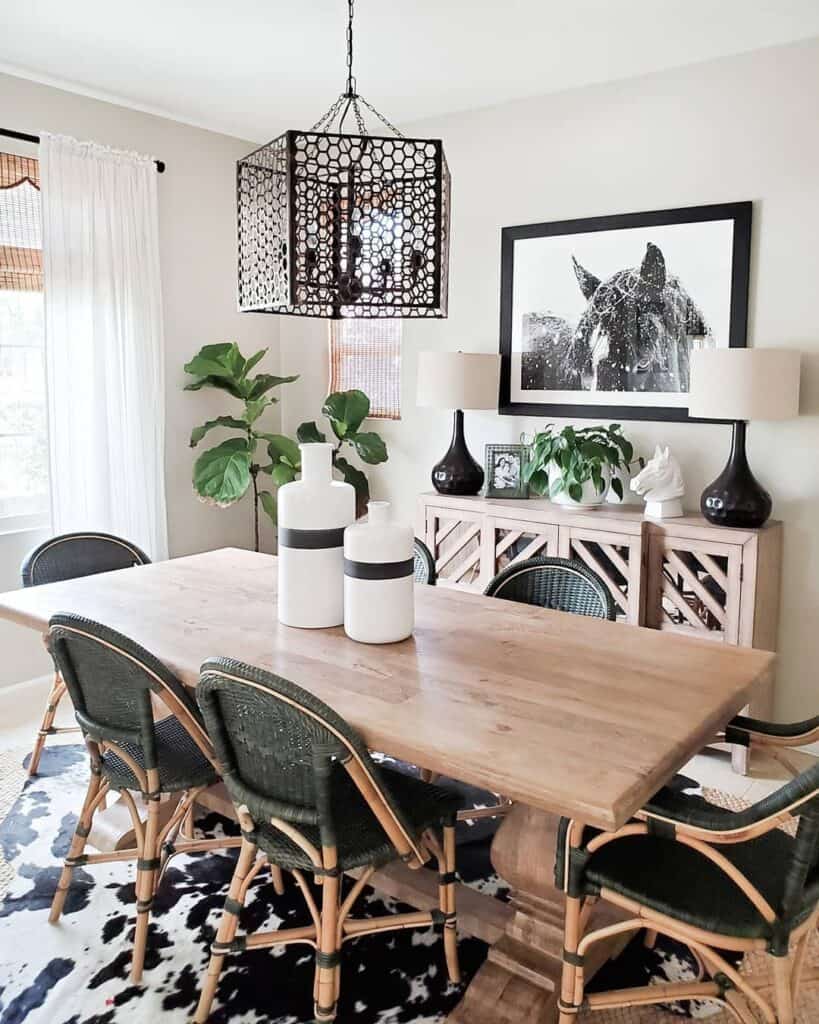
(119, 101)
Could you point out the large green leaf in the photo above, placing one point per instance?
(370, 447)
(269, 505)
(223, 360)
(283, 449)
(254, 359)
(255, 407)
(346, 411)
(221, 421)
(263, 382)
(283, 474)
(354, 476)
(223, 383)
(221, 475)
(309, 433)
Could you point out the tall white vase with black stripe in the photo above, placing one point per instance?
(313, 513)
(378, 578)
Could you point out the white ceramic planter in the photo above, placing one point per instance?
(379, 581)
(590, 497)
(313, 513)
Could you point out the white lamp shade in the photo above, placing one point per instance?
(744, 384)
(458, 380)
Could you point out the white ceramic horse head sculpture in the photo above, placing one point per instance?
(661, 485)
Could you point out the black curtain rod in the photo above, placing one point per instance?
(24, 137)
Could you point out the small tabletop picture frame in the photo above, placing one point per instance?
(504, 471)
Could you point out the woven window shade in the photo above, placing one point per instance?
(366, 354)
(21, 257)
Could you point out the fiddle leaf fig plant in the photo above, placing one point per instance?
(563, 461)
(223, 474)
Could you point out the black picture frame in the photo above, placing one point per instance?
(741, 215)
(492, 452)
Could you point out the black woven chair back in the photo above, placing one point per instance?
(110, 679)
(284, 753)
(79, 554)
(424, 563)
(559, 583)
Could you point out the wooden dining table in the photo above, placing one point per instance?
(563, 715)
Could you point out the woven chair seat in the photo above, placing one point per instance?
(676, 880)
(361, 841)
(181, 763)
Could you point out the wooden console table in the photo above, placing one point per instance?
(683, 575)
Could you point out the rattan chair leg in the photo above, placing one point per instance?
(571, 987)
(47, 725)
(446, 897)
(92, 799)
(328, 977)
(277, 878)
(783, 995)
(226, 931)
(147, 867)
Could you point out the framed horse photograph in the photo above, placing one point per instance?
(599, 316)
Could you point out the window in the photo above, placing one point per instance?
(24, 491)
(366, 354)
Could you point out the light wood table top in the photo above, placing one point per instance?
(563, 713)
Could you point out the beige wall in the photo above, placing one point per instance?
(734, 129)
(198, 256)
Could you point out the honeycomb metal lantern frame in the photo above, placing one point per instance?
(338, 225)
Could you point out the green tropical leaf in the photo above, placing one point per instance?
(223, 360)
(283, 474)
(557, 486)
(221, 421)
(358, 480)
(283, 449)
(269, 505)
(263, 382)
(617, 487)
(539, 481)
(370, 447)
(346, 411)
(254, 359)
(255, 407)
(575, 492)
(223, 383)
(309, 433)
(221, 475)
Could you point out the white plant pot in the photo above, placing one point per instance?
(590, 498)
(313, 513)
(379, 591)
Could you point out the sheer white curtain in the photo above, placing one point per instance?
(104, 342)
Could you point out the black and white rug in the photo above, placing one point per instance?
(77, 971)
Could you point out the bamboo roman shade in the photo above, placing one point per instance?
(366, 354)
(21, 257)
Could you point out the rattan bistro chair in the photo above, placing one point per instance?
(111, 681)
(424, 563)
(309, 797)
(64, 558)
(710, 878)
(558, 583)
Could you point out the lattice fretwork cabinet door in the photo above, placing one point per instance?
(455, 538)
(617, 558)
(514, 540)
(694, 587)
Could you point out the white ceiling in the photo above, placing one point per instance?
(251, 69)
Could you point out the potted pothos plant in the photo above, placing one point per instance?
(223, 474)
(577, 466)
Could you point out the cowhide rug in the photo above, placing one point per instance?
(77, 972)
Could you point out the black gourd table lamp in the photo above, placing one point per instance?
(741, 384)
(458, 380)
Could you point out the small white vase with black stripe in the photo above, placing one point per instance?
(378, 578)
(313, 513)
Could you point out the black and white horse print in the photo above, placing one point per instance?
(76, 972)
(636, 334)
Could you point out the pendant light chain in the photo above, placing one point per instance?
(350, 99)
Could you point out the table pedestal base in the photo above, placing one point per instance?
(520, 981)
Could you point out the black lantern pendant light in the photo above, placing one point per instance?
(339, 225)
